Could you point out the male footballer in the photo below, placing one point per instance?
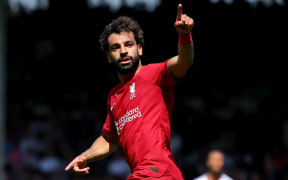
(140, 106)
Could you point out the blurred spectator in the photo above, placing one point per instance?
(117, 166)
(49, 163)
(215, 164)
(33, 143)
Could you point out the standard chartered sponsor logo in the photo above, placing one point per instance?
(128, 117)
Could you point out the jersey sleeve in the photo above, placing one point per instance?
(159, 73)
(109, 128)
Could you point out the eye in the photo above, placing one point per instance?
(130, 44)
(115, 47)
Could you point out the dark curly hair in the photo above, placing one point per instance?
(121, 24)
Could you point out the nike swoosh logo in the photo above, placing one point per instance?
(111, 108)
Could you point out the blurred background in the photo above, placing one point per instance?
(54, 82)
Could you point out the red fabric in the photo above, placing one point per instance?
(139, 113)
(185, 39)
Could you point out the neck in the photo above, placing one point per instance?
(127, 77)
(213, 176)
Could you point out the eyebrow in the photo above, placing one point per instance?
(128, 41)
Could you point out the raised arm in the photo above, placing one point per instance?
(101, 148)
(179, 65)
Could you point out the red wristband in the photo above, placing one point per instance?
(185, 39)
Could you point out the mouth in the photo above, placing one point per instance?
(125, 60)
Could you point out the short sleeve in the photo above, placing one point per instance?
(159, 73)
(109, 128)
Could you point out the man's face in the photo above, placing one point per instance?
(124, 52)
(215, 162)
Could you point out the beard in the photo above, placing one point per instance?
(126, 68)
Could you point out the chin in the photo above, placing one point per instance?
(125, 70)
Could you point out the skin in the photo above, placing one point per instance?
(121, 47)
(215, 164)
(124, 52)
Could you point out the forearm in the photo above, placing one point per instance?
(180, 64)
(185, 50)
(100, 149)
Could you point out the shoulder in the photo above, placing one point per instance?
(114, 90)
(158, 73)
(156, 65)
(202, 177)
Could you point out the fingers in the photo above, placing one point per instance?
(179, 12)
(184, 18)
(69, 166)
(183, 21)
(81, 170)
(187, 20)
(191, 23)
(73, 163)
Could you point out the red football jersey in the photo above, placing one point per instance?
(139, 113)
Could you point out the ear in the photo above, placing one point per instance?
(140, 49)
(108, 57)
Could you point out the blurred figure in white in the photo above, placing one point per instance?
(215, 164)
(117, 166)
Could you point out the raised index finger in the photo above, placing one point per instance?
(179, 12)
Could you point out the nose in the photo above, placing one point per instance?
(123, 51)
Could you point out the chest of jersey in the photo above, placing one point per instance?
(133, 103)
